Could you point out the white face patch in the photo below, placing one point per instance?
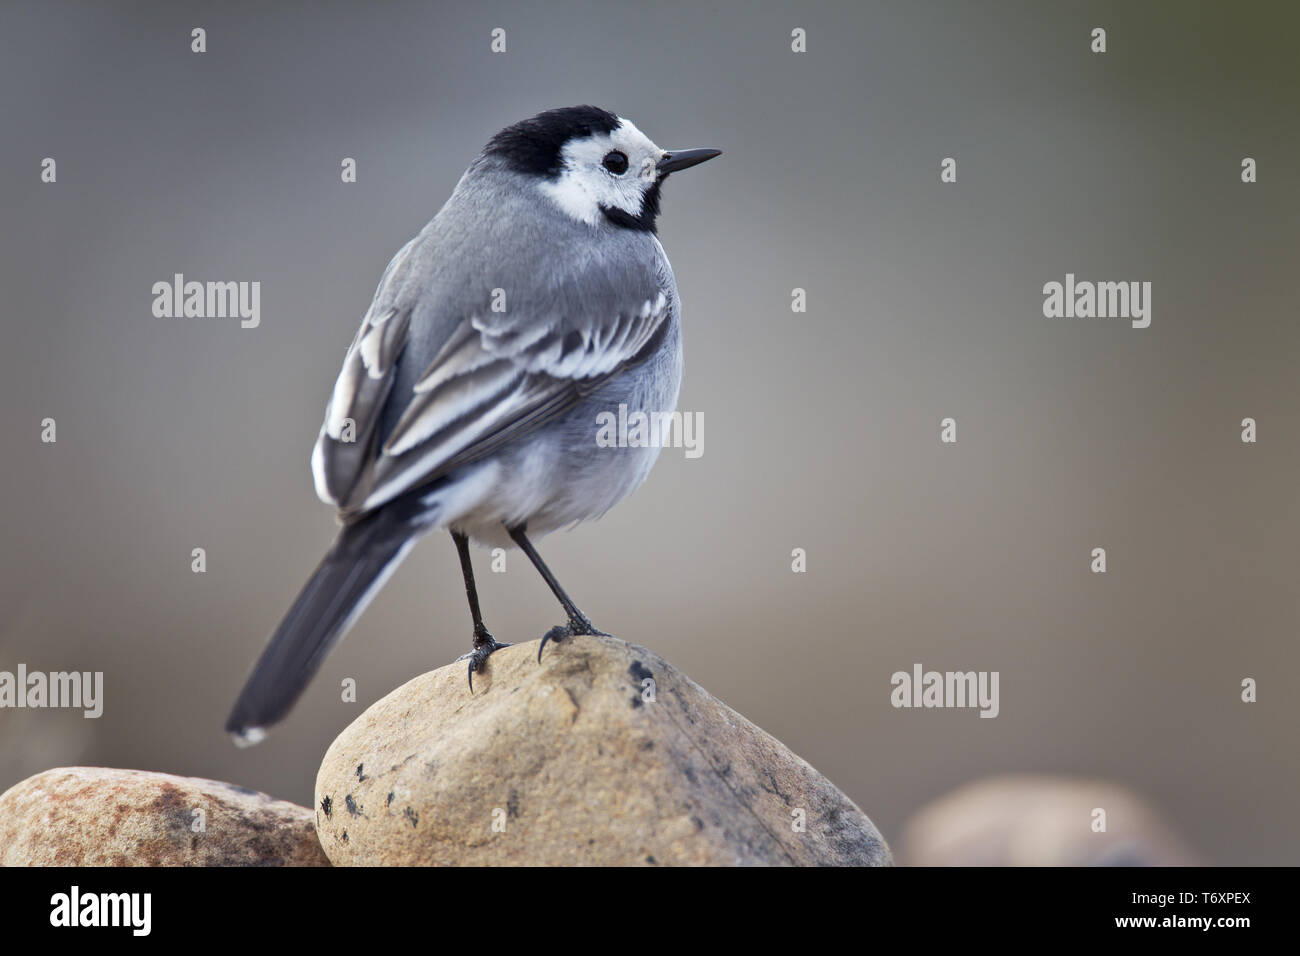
(585, 185)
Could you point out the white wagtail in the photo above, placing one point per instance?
(537, 298)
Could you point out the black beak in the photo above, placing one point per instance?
(677, 159)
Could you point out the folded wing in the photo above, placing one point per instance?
(498, 375)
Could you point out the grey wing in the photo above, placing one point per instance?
(498, 375)
(350, 432)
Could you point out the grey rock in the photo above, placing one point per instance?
(1041, 820)
(573, 761)
(95, 816)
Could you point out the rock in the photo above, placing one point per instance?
(568, 762)
(1039, 820)
(93, 816)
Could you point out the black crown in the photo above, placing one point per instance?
(533, 146)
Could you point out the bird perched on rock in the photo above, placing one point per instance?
(538, 298)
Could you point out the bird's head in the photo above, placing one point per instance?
(594, 166)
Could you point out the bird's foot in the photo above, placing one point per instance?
(577, 627)
(484, 647)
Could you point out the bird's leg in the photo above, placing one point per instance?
(578, 622)
(484, 644)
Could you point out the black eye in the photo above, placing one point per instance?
(616, 162)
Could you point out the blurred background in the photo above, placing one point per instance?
(822, 428)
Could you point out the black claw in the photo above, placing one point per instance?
(484, 647)
(557, 633)
(577, 627)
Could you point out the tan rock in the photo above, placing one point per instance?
(94, 816)
(1040, 820)
(567, 762)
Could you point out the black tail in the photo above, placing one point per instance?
(356, 567)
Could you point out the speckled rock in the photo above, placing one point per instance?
(1041, 820)
(603, 754)
(94, 816)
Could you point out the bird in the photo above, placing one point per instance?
(536, 299)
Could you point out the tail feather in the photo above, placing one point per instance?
(349, 576)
